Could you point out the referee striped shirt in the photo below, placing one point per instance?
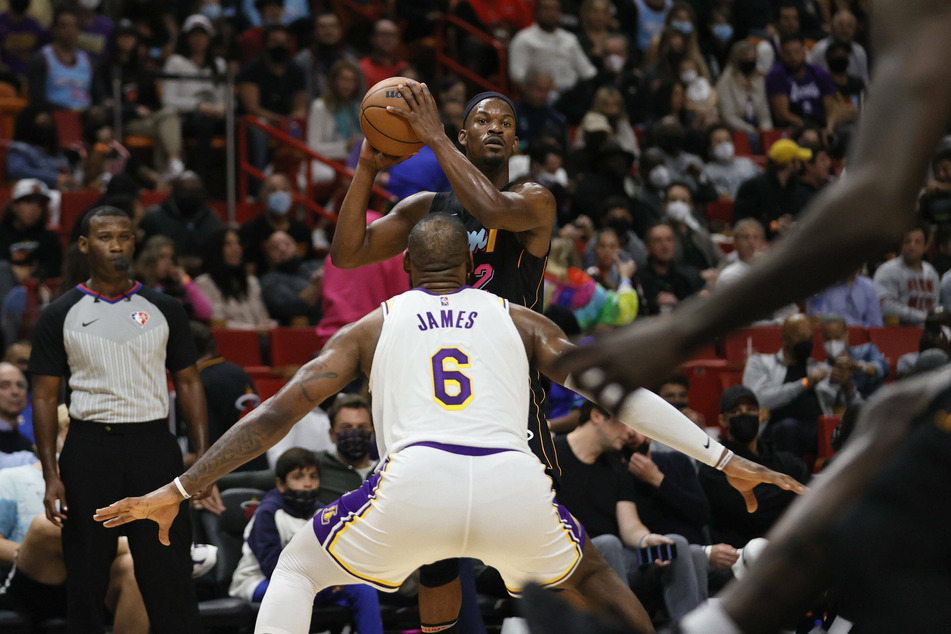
(113, 351)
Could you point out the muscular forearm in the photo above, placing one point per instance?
(349, 248)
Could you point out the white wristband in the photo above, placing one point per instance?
(181, 489)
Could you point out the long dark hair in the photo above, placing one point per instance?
(232, 281)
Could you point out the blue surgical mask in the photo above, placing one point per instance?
(682, 26)
(279, 202)
(211, 11)
(723, 32)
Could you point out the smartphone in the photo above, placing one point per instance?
(626, 452)
(644, 447)
(649, 554)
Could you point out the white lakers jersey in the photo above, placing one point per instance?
(449, 369)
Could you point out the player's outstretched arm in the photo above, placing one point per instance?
(797, 558)
(338, 364)
(648, 413)
(357, 244)
(856, 218)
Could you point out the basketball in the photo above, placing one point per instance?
(387, 132)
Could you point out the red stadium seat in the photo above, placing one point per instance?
(741, 143)
(827, 425)
(268, 387)
(768, 137)
(238, 346)
(705, 386)
(150, 197)
(260, 372)
(293, 346)
(72, 206)
(895, 341)
(69, 127)
(738, 345)
(707, 351)
(721, 210)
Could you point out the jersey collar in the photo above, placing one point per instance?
(110, 300)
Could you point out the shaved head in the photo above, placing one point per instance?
(438, 241)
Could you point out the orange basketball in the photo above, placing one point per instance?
(387, 132)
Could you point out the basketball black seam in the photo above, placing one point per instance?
(363, 114)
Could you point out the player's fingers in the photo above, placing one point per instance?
(163, 534)
(399, 112)
(790, 484)
(428, 96)
(750, 499)
(409, 94)
(118, 521)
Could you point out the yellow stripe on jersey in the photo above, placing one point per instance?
(492, 235)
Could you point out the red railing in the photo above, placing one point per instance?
(370, 10)
(245, 169)
(444, 60)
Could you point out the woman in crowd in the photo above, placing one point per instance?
(333, 125)
(200, 103)
(609, 104)
(741, 92)
(597, 25)
(235, 296)
(158, 267)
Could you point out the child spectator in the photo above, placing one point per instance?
(286, 509)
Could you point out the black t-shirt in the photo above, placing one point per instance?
(277, 91)
(678, 505)
(591, 492)
(681, 281)
(37, 244)
(229, 393)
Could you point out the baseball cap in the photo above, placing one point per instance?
(198, 21)
(749, 554)
(784, 150)
(733, 394)
(30, 187)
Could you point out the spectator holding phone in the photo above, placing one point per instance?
(597, 489)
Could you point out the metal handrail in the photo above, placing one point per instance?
(444, 60)
(245, 169)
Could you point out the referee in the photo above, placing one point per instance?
(112, 340)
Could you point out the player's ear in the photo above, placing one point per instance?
(462, 137)
(83, 244)
(515, 147)
(406, 261)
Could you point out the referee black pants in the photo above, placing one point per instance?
(102, 463)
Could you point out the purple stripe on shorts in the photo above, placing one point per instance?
(461, 450)
(572, 525)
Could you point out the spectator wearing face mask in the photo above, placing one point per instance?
(723, 168)
(275, 195)
(741, 93)
(348, 463)
(865, 364)
(730, 522)
(695, 247)
(619, 71)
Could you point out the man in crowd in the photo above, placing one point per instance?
(665, 283)
(771, 198)
(908, 286)
(843, 32)
(61, 74)
(275, 196)
(13, 394)
(329, 47)
(383, 60)
(799, 92)
(856, 299)
(347, 464)
(866, 364)
(291, 288)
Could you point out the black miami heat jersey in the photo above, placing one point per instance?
(504, 267)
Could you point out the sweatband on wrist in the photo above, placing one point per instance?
(709, 618)
(181, 489)
(654, 417)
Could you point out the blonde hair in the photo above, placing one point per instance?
(151, 253)
(563, 256)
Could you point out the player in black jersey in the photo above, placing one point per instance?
(509, 229)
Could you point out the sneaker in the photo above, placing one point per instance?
(204, 558)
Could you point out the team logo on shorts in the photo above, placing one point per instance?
(444, 300)
(140, 317)
(328, 514)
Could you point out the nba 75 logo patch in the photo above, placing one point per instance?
(140, 317)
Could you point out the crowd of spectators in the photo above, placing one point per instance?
(681, 140)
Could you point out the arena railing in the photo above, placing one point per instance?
(445, 61)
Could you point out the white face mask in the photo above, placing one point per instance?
(659, 177)
(723, 152)
(614, 63)
(679, 211)
(834, 348)
(688, 76)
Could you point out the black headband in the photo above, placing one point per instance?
(482, 96)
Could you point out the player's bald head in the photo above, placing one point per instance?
(437, 242)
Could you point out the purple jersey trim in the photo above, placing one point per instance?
(459, 449)
(110, 300)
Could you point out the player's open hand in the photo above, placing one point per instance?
(743, 475)
(423, 114)
(619, 362)
(161, 506)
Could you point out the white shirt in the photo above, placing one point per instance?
(558, 54)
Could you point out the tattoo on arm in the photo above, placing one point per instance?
(239, 444)
(316, 377)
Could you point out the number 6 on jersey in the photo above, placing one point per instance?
(452, 388)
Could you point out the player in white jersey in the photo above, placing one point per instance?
(454, 481)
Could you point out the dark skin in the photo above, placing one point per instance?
(349, 353)
(110, 238)
(857, 218)
(476, 178)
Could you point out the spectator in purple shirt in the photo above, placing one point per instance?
(855, 299)
(799, 93)
(95, 30)
(20, 37)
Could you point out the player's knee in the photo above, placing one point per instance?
(439, 573)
